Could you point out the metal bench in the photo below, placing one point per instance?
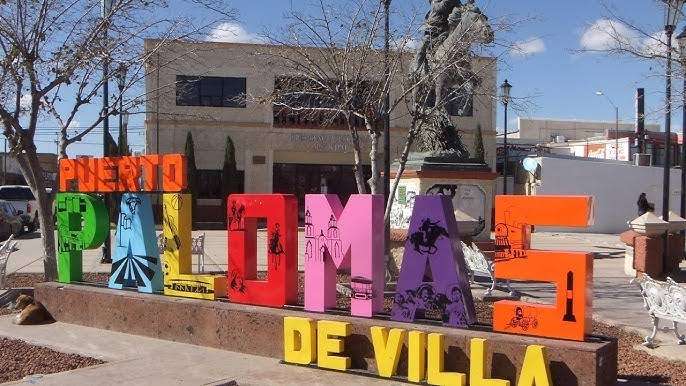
(664, 300)
(478, 264)
(197, 248)
(6, 250)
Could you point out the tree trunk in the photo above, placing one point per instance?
(375, 135)
(401, 169)
(359, 171)
(33, 173)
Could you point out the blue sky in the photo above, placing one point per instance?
(557, 79)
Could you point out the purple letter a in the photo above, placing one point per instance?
(432, 238)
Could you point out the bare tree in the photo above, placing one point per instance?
(617, 35)
(334, 74)
(51, 58)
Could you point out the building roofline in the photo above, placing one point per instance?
(242, 44)
(578, 120)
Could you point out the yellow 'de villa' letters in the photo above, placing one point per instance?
(322, 343)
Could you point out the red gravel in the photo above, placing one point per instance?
(19, 359)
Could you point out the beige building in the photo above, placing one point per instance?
(273, 153)
(546, 130)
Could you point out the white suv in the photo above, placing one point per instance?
(23, 200)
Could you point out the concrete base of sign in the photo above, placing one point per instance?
(259, 331)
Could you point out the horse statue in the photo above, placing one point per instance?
(444, 60)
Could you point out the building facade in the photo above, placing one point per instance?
(547, 130)
(10, 172)
(274, 152)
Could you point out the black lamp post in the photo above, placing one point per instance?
(681, 38)
(123, 117)
(505, 95)
(672, 14)
(106, 9)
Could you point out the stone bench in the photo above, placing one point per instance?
(664, 300)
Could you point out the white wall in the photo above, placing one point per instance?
(615, 188)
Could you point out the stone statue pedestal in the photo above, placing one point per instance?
(470, 184)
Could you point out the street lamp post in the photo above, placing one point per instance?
(106, 9)
(123, 117)
(505, 95)
(681, 38)
(600, 93)
(672, 14)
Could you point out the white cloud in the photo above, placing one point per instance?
(528, 47)
(406, 44)
(656, 43)
(232, 33)
(606, 34)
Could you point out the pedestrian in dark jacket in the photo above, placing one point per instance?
(643, 205)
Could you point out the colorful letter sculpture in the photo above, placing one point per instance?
(82, 223)
(477, 365)
(123, 174)
(178, 276)
(571, 272)
(135, 261)
(342, 238)
(299, 340)
(387, 346)
(432, 239)
(281, 212)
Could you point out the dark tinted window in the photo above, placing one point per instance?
(234, 92)
(187, 91)
(209, 183)
(210, 91)
(23, 194)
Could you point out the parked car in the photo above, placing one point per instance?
(10, 221)
(23, 200)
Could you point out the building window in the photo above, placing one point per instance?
(209, 183)
(211, 91)
(460, 103)
(303, 103)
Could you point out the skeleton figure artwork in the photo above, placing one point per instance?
(275, 247)
(236, 282)
(450, 304)
(522, 321)
(236, 216)
(450, 30)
